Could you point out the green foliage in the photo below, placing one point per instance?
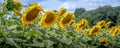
(118, 19)
(107, 13)
(79, 11)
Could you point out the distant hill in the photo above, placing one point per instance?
(107, 13)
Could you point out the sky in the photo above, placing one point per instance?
(71, 5)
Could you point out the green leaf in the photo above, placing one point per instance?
(53, 34)
(68, 41)
(12, 27)
(48, 43)
(11, 33)
(19, 28)
(86, 38)
(11, 42)
(71, 34)
(32, 33)
(3, 13)
(10, 23)
(37, 44)
(3, 33)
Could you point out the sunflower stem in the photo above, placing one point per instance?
(23, 31)
(0, 22)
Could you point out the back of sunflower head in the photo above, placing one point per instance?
(39, 7)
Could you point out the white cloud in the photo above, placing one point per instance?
(68, 5)
(50, 4)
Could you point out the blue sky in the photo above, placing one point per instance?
(71, 5)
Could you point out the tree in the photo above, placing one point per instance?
(79, 11)
(107, 13)
(118, 19)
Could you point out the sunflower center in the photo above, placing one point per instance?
(19, 4)
(81, 25)
(95, 30)
(32, 15)
(49, 18)
(66, 20)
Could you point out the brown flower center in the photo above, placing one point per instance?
(49, 18)
(32, 15)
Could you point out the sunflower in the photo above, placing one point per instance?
(95, 30)
(84, 21)
(71, 22)
(62, 11)
(118, 27)
(112, 30)
(108, 24)
(115, 32)
(82, 24)
(49, 19)
(104, 40)
(18, 9)
(31, 14)
(101, 23)
(66, 20)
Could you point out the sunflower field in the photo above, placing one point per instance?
(37, 28)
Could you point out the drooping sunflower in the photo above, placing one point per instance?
(49, 19)
(31, 14)
(108, 24)
(82, 24)
(18, 8)
(95, 30)
(115, 32)
(87, 31)
(112, 30)
(66, 20)
(79, 26)
(71, 22)
(62, 11)
(84, 21)
(101, 23)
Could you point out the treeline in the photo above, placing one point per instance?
(107, 13)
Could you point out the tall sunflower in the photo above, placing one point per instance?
(79, 27)
(71, 22)
(82, 24)
(62, 11)
(101, 23)
(31, 14)
(66, 20)
(108, 24)
(115, 32)
(49, 19)
(18, 8)
(112, 30)
(95, 30)
(84, 21)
